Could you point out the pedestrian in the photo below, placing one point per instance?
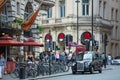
(104, 60)
(73, 57)
(2, 65)
(62, 56)
(57, 56)
(70, 57)
(30, 57)
(109, 59)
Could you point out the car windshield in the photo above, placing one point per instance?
(79, 57)
(87, 57)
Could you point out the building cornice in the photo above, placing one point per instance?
(82, 21)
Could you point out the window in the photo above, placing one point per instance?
(100, 7)
(112, 11)
(18, 8)
(116, 30)
(26, 12)
(62, 8)
(87, 56)
(104, 9)
(3, 16)
(49, 13)
(4, 11)
(116, 15)
(85, 7)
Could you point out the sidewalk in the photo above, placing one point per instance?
(8, 77)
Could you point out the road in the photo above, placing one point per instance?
(112, 74)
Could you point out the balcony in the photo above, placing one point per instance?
(46, 4)
(8, 26)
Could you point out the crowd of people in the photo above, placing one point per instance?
(46, 56)
(57, 56)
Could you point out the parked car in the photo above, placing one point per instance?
(116, 60)
(90, 63)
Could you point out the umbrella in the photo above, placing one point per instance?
(31, 42)
(8, 41)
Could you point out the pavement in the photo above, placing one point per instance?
(9, 77)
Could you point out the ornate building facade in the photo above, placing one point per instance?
(75, 17)
(14, 13)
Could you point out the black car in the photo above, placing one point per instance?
(89, 63)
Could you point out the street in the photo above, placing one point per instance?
(110, 74)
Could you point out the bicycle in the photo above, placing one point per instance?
(31, 70)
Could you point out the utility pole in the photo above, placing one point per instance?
(49, 49)
(92, 25)
(77, 1)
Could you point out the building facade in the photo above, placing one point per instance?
(75, 17)
(14, 13)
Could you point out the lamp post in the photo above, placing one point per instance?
(92, 25)
(77, 1)
(49, 54)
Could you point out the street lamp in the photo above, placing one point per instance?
(92, 25)
(49, 54)
(77, 1)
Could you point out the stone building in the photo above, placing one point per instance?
(65, 19)
(11, 17)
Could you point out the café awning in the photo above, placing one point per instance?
(31, 42)
(8, 41)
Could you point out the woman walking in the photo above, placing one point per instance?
(2, 65)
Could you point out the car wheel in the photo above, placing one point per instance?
(92, 70)
(73, 72)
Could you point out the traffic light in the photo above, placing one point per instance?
(61, 37)
(68, 38)
(106, 40)
(86, 37)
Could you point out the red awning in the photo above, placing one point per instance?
(8, 41)
(31, 42)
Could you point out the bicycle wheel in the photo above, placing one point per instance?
(67, 68)
(32, 73)
(15, 74)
